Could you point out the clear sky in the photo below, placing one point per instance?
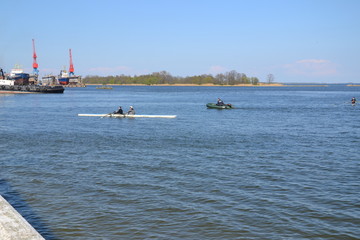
(295, 40)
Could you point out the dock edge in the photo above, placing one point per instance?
(13, 226)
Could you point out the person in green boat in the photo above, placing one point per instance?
(220, 102)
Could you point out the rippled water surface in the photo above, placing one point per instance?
(283, 165)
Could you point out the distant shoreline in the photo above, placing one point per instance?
(195, 85)
(217, 85)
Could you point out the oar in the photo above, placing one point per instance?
(106, 115)
(352, 103)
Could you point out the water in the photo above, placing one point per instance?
(283, 165)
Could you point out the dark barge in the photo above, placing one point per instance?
(30, 89)
(18, 82)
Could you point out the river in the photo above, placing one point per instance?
(284, 164)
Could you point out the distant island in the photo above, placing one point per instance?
(231, 78)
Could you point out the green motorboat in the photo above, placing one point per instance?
(214, 105)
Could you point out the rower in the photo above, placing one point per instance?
(353, 100)
(119, 111)
(131, 111)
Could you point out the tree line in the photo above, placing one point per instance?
(163, 77)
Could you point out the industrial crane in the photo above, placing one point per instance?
(71, 68)
(35, 65)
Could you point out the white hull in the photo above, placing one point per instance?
(126, 116)
(7, 82)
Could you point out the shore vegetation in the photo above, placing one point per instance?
(165, 78)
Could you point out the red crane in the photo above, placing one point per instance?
(35, 65)
(71, 68)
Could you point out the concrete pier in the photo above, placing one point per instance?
(13, 226)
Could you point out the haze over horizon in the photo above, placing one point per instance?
(296, 41)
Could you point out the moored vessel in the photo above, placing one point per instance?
(63, 77)
(69, 79)
(104, 86)
(18, 82)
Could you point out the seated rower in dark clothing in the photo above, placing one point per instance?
(353, 100)
(220, 102)
(119, 111)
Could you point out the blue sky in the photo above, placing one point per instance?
(295, 40)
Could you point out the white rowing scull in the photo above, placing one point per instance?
(126, 116)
